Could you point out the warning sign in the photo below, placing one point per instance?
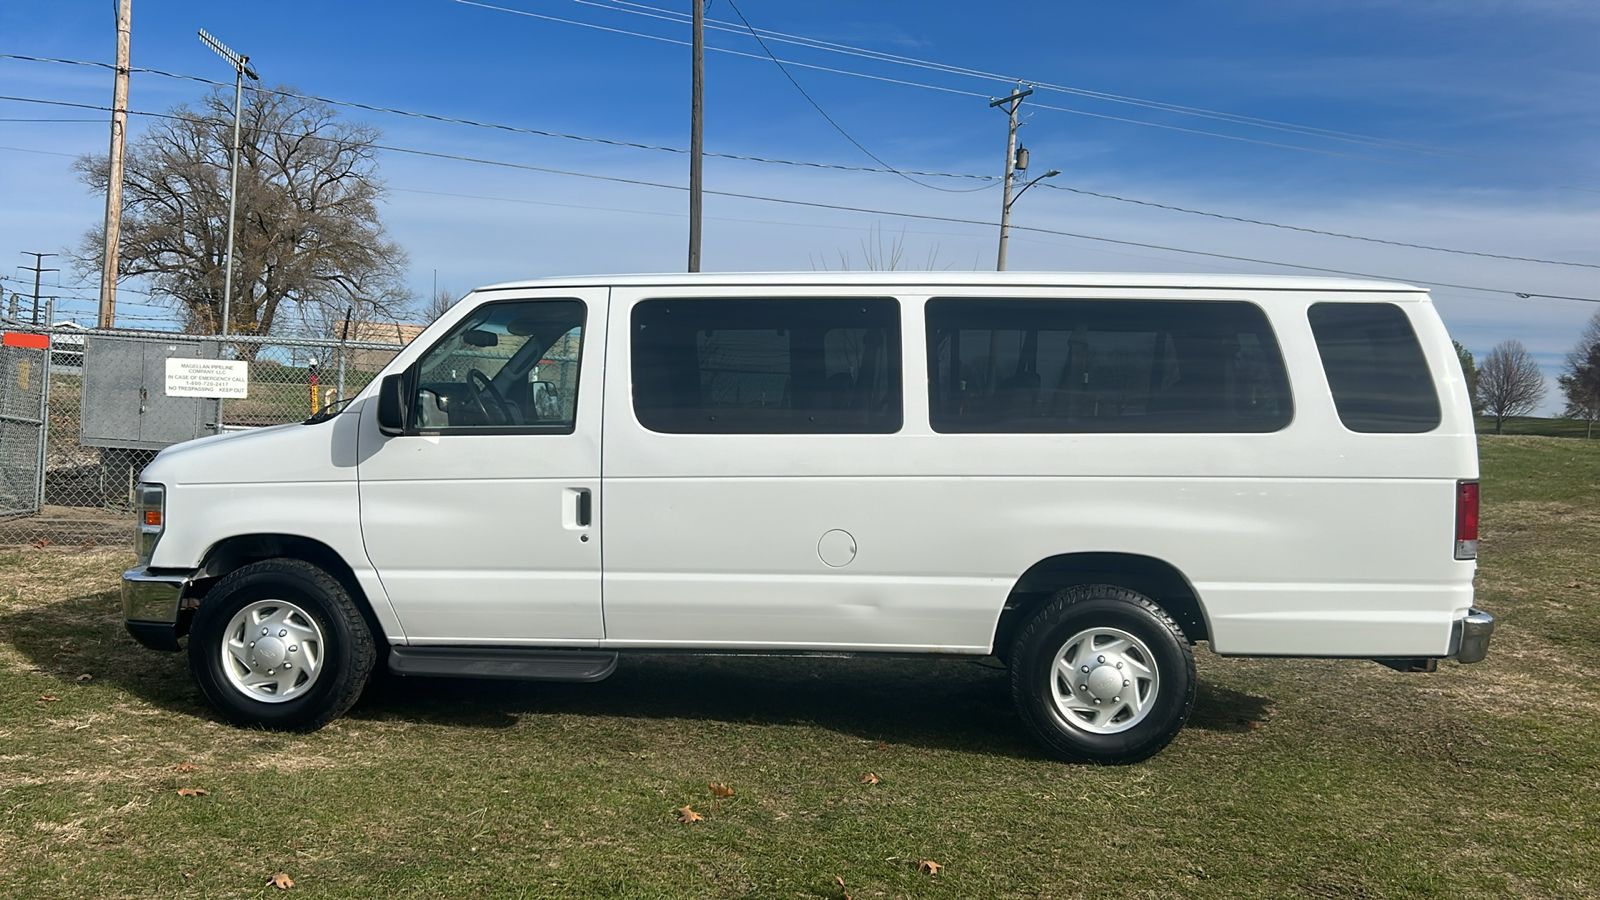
(207, 378)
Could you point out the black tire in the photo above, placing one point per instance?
(313, 624)
(1091, 721)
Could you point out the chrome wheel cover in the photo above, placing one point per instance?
(1103, 681)
(272, 651)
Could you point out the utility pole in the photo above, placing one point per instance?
(241, 68)
(1015, 101)
(37, 270)
(697, 126)
(119, 136)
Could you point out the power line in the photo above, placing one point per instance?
(836, 126)
(928, 217)
(963, 221)
(964, 71)
(515, 129)
(992, 179)
(1337, 234)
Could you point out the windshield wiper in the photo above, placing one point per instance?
(328, 412)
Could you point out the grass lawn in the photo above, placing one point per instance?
(1557, 427)
(1309, 778)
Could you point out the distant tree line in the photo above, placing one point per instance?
(1509, 383)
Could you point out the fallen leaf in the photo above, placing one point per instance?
(84, 677)
(281, 881)
(929, 866)
(49, 699)
(721, 791)
(185, 767)
(840, 880)
(870, 778)
(192, 792)
(687, 815)
(883, 746)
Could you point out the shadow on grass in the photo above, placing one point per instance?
(936, 703)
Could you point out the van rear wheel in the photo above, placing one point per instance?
(280, 644)
(1102, 674)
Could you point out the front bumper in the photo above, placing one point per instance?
(1469, 636)
(152, 606)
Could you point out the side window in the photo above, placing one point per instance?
(507, 365)
(1000, 365)
(1375, 367)
(767, 366)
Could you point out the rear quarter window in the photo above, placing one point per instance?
(1375, 367)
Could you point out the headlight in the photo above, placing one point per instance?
(150, 511)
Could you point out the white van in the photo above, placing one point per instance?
(1082, 475)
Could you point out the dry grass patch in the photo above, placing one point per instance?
(1295, 778)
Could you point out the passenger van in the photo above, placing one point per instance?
(1081, 475)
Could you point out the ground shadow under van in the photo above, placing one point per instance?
(933, 703)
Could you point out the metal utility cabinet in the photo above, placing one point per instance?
(125, 403)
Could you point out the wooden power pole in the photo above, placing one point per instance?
(696, 132)
(119, 139)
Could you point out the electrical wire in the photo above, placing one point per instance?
(1146, 203)
(951, 69)
(1310, 131)
(515, 129)
(962, 221)
(836, 126)
(1337, 234)
(922, 216)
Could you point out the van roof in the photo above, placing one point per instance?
(971, 279)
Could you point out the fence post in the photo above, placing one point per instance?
(44, 403)
(344, 338)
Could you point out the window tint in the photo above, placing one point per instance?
(793, 366)
(1103, 366)
(506, 365)
(1375, 367)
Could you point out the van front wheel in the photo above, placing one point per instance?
(279, 644)
(1103, 675)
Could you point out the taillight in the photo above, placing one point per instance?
(1466, 520)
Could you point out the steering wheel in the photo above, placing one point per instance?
(478, 387)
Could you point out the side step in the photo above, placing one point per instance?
(503, 662)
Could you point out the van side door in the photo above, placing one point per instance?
(481, 518)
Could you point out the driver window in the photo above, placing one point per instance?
(511, 364)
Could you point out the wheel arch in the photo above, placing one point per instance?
(238, 551)
(1155, 578)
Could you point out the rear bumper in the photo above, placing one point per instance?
(152, 603)
(1469, 636)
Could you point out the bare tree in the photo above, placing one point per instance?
(1510, 383)
(309, 242)
(438, 304)
(1581, 381)
(880, 257)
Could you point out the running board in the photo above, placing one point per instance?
(502, 663)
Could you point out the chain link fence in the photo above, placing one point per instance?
(83, 411)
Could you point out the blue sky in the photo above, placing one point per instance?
(1469, 125)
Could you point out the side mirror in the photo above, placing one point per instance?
(391, 405)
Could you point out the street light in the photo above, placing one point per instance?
(1005, 214)
(241, 68)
